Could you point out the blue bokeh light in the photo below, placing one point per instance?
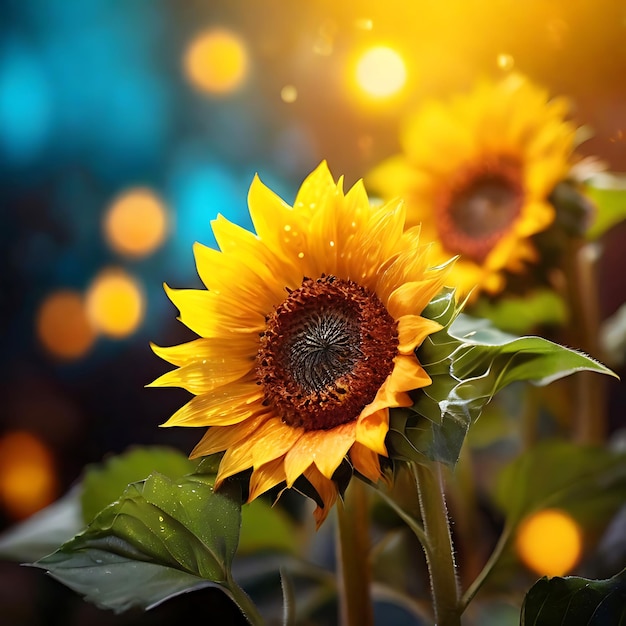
(26, 103)
(200, 188)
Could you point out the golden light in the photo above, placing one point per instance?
(549, 542)
(28, 479)
(62, 325)
(381, 72)
(136, 223)
(505, 61)
(288, 94)
(115, 303)
(216, 61)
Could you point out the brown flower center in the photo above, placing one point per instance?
(325, 352)
(479, 207)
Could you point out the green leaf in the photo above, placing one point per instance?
(587, 481)
(103, 483)
(574, 601)
(161, 538)
(264, 527)
(608, 192)
(469, 361)
(522, 314)
(45, 531)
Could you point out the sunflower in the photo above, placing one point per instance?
(307, 336)
(477, 172)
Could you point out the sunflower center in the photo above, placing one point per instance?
(479, 208)
(325, 352)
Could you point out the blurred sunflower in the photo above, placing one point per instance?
(308, 332)
(477, 173)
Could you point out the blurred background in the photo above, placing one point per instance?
(125, 127)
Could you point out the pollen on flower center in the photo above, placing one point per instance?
(325, 352)
(479, 207)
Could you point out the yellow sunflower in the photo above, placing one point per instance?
(477, 172)
(307, 335)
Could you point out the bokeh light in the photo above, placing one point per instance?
(381, 72)
(26, 105)
(505, 61)
(136, 223)
(289, 94)
(115, 303)
(62, 325)
(549, 542)
(28, 479)
(216, 61)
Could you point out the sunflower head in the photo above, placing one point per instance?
(477, 173)
(307, 336)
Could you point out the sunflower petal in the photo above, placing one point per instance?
(208, 349)
(272, 441)
(204, 376)
(411, 298)
(225, 405)
(412, 330)
(266, 477)
(236, 459)
(205, 314)
(365, 461)
(220, 438)
(372, 429)
(327, 491)
(325, 448)
(227, 275)
(407, 375)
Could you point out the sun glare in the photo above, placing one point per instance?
(381, 72)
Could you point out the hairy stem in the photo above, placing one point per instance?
(438, 547)
(245, 604)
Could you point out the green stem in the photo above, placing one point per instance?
(245, 604)
(589, 402)
(463, 506)
(489, 565)
(438, 547)
(408, 519)
(353, 551)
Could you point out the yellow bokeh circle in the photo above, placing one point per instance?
(28, 480)
(115, 303)
(381, 72)
(549, 542)
(216, 61)
(136, 223)
(62, 325)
